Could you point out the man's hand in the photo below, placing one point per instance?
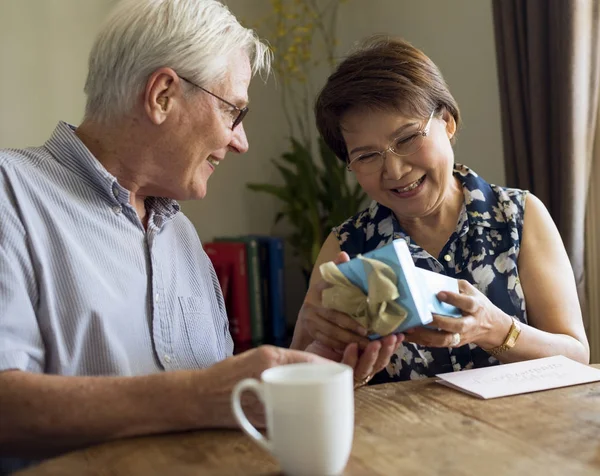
(36, 422)
(222, 377)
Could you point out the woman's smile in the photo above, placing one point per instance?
(409, 190)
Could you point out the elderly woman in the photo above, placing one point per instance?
(388, 114)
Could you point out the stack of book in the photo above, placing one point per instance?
(250, 271)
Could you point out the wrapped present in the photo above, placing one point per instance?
(385, 292)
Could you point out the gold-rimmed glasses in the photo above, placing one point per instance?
(403, 145)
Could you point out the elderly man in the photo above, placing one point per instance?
(112, 322)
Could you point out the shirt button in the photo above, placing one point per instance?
(167, 359)
(117, 209)
(448, 258)
(156, 297)
(116, 191)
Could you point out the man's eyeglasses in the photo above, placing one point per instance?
(371, 162)
(240, 112)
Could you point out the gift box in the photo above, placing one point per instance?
(386, 292)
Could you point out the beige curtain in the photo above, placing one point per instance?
(592, 253)
(548, 54)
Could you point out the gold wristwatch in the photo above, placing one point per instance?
(510, 340)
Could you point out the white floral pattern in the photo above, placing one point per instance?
(484, 250)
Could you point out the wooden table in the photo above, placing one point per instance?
(417, 427)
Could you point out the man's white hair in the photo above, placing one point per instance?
(194, 37)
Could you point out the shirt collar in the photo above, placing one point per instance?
(481, 202)
(68, 150)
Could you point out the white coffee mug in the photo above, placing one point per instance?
(309, 414)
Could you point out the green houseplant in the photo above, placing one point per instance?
(316, 193)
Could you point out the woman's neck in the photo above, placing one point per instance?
(433, 231)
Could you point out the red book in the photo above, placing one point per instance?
(230, 262)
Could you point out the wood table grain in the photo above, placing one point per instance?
(417, 427)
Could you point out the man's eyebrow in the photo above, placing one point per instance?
(241, 102)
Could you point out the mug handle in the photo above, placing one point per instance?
(236, 405)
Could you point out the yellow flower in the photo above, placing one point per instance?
(301, 40)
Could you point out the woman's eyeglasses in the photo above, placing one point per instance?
(372, 161)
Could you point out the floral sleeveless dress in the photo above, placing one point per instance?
(483, 250)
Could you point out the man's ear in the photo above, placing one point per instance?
(161, 88)
(163, 101)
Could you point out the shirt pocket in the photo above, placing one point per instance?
(200, 336)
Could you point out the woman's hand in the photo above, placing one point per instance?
(328, 326)
(335, 335)
(366, 363)
(482, 323)
(332, 328)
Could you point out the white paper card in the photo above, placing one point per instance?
(521, 377)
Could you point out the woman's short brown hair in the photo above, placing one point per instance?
(382, 74)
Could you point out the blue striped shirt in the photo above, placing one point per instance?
(85, 289)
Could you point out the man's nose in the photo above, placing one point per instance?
(239, 141)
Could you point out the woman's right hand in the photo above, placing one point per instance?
(328, 326)
(336, 335)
